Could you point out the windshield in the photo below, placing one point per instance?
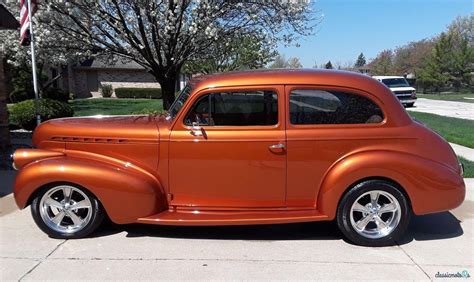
(395, 82)
(179, 102)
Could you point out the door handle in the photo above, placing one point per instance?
(277, 147)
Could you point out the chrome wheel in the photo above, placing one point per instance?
(375, 214)
(65, 209)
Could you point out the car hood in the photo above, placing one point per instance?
(98, 129)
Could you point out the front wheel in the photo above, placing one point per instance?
(66, 211)
(373, 213)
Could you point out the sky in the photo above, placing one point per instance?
(370, 26)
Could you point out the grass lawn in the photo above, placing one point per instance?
(456, 130)
(89, 107)
(451, 96)
(468, 167)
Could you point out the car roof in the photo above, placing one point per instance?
(386, 76)
(282, 76)
(310, 77)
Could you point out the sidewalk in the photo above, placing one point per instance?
(444, 108)
(435, 243)
(462, 151)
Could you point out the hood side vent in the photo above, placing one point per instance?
(90, 140)
(102, 140)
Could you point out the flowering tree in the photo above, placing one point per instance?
(246, 52)
(163, 35)
(51, 47)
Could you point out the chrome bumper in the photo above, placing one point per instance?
(408, 101)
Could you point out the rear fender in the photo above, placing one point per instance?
(125, 193)
(430, 186)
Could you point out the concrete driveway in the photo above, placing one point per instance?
(434, 243)
(444, 108)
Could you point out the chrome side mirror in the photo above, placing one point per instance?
(196, 129)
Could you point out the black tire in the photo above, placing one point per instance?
(96, 218)
(348, 200)
(409, 105)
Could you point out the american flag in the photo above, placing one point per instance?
(25, 19)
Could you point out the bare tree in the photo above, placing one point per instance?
(280, 62)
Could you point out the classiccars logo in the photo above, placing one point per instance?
(463, 274)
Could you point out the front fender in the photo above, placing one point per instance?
(430, 186)
(125, 193)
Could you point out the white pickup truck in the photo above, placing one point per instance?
(400, 87)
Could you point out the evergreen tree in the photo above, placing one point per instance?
(437, 71)
(328, 65)
(360, 61)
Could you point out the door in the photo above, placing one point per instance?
(227, 150)
(92, 82)
(324, 124)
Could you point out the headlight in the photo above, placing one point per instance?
(413, 94)
(12, 159)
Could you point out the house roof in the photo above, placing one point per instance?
(100, 63)
(7, 20)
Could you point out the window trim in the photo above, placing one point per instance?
(354, 91)
(277, 89)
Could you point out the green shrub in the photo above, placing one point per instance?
(19, 94)
(55, 94)
(106, 90)
(22, 82)
(148, 93)
(23, 114)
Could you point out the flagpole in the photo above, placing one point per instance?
(33, 63)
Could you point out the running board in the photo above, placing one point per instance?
(213, 218)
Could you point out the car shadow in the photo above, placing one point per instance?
(428, 227)
(436, 226)
(270, 232)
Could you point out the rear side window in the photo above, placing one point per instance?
(332, 107)
(244, 108)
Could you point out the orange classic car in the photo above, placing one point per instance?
(256, 147)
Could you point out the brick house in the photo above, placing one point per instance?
(84, 79)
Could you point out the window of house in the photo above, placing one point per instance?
(332, 107)
(244, 108)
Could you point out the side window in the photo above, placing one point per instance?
(332, 107)
(245, 108)
(200, 112)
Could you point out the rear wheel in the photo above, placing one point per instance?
(66, 211)
(373, 213)
(409, 105)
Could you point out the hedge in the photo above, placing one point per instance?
(150, 93)
(23, 114)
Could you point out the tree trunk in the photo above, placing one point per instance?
(168, 89)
